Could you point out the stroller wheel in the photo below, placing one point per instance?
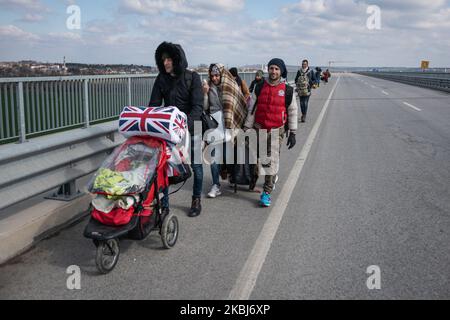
(169, 231)
(107, 255)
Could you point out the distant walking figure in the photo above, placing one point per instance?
(305, 80)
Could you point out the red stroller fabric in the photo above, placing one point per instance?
(119, 216)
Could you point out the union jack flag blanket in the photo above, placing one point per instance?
(167, 123)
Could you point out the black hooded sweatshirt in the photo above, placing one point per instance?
(173, 90)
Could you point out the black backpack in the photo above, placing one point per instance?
(182, 173)
(188, 76)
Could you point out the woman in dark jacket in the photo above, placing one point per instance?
(242, 84)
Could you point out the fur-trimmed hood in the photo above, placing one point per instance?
(176, 52)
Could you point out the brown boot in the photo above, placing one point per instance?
(303, 119)
(196, 208)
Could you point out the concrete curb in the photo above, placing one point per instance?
(25, 229)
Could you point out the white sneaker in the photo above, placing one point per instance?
(215, 192)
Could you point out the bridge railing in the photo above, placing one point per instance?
(437, 81)
(32, 107)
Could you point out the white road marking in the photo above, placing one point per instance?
(248, 276)
(384, 92)
(411, 106)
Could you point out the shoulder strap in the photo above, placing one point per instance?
(188, 76)
(288, 100)
(258, 89)
(289, 95)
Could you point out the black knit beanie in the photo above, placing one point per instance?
(280, 64)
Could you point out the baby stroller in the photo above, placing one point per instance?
(127, 203)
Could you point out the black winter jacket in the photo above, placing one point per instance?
(255, 83)
(173, 90)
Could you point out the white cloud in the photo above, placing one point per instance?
(410, 5)
(103, 27)
(321, 30)
(11, 32)
(32, 17)
(221, 31)
(65, 37)
(181, 7)
(307, 6)
(29, 5)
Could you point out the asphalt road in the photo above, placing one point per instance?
(374, 190)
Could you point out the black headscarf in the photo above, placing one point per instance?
(234, 73)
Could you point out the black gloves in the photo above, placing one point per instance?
(291, 141)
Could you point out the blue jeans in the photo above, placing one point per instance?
(215, 172)
(304, 103)
(215, 167)
(198, 180)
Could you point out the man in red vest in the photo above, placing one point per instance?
(275, 110)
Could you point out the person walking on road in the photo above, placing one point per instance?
(259, 80)
(177, 86)
(326, 76)
(275, 110)
(318, 75)
(305, 80)
(225, 102)
(212, 104)
(242, 84)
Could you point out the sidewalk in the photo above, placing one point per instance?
(24, 225)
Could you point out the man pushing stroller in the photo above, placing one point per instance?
(177, 86)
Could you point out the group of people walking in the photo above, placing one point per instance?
(268, 104)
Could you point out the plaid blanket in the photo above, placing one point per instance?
(233, 101)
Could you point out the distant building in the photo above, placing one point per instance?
(40, 67)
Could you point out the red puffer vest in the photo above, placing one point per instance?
(271, 108)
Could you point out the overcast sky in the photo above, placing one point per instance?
(234, 32)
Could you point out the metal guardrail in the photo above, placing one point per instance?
(52, 161)
(41, 105)
(31, 107)
(437, 81)
(440, 75)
